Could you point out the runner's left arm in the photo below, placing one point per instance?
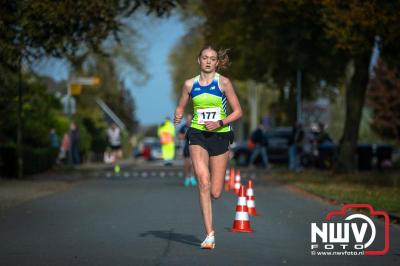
(230, 94)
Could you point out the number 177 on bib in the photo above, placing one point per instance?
(208, 114)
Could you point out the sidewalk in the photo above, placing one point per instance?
(14, 192)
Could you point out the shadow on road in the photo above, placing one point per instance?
(171, 236)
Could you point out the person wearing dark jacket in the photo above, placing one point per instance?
(295, 143)
(75, 139)
(257, 136)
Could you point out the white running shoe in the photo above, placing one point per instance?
(209, 242)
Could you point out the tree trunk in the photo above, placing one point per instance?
(357, 75)
(281, 98)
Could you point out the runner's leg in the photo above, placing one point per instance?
(200, 160)
(218, 169)
(187, 174)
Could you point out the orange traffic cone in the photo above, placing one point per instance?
(251, 201)
(237, 182)
(232, 179)
(241, 222)
(226, 184)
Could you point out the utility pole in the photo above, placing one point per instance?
(20, 160)
(253, 100)
(69, 114)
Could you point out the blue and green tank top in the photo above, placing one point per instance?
(209, 103)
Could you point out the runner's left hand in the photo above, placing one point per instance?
(211, 125)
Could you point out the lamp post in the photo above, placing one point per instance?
(253, 99)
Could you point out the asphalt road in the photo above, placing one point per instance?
(144, 216)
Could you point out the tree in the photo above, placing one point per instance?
(30, 29)
(329, 41)
(120, 63)
(34, 28)
(183, 59)
(353, 26)
(271, 41)
(383, 97)
(40, 109)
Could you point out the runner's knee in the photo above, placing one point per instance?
(204, 187)
(204, 182)
(216, 194)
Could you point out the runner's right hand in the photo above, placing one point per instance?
(177, 118)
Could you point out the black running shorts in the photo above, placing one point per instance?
(215, 143)
(115, 147)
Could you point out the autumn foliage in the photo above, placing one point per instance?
(383, 97)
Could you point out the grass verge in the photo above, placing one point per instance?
(380, 189)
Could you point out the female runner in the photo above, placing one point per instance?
(210, 132)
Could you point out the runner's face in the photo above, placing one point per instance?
(208, 61)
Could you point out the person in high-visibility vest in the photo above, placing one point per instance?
(210, 133)
(166, 133)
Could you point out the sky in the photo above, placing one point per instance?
(154, 98)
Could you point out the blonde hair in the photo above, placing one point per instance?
(222, 54)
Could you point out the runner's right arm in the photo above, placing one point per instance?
(183, 101)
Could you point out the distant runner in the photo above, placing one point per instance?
(187, 163)
(114, 139)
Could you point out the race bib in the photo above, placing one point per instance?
(208, 114)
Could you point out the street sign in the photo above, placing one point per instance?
(69, 104)
(75, 89)
(86, 81)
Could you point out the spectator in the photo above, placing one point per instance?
(187, 163)
(64, 148)
(75, 143)
(257, 137)
(323, 137)
(166, 133)
(295, 144)
(54, 139)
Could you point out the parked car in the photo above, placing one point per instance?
(149, 148)
(368, 156)
(277, 145)
(278, 140)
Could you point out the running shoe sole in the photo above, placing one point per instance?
(208, 246)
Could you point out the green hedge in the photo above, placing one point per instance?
(35, 160)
